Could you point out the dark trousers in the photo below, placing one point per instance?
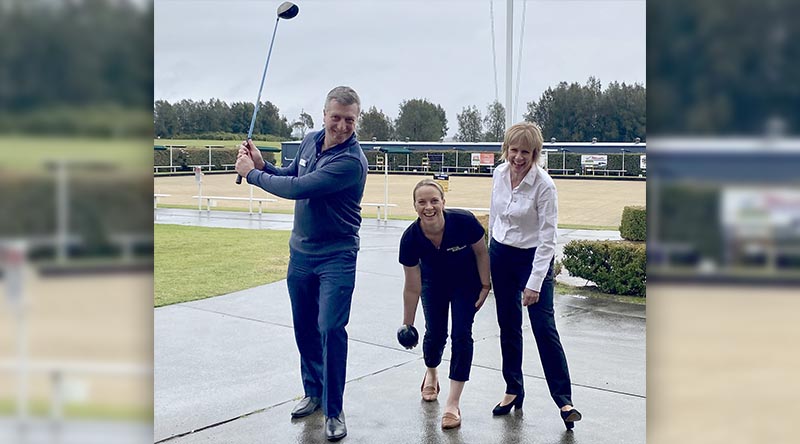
(435, 304)
(321, 290)
(511, 268)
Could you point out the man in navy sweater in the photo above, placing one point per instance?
(326, 180)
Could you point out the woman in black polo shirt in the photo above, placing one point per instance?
(446, 263)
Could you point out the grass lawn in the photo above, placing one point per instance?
(201, 143)
(192, 263)
(595, 293)
(30, 152)
(41, 408)
(370, 215)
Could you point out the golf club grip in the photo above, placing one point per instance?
(238, 176)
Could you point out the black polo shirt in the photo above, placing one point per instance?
(453, 265)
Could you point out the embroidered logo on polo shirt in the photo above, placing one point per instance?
(302, 162)
(458, 248)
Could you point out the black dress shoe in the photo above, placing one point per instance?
(306, 406)
(569, 417)
(500, 410)
(335, 429)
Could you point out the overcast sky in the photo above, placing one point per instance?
(391, 50)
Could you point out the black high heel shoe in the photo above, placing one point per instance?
(506, 409)
(569, 417)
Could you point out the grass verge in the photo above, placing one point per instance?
(16, 151)
(192, 263)
(369, 215)
(593, 292)
(201, 143)
(41, 408)
(587, 227)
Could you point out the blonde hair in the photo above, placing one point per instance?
(423, 183)
(526, 134)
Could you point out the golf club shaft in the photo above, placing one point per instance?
(260, 88)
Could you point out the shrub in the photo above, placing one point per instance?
(184, 157)
(617, 267)
(634, 224)
(484, 220)
(102, 205)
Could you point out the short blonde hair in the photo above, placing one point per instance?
(526, 134)
(423, 183)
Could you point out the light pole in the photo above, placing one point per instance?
(623, 160)
(385, 186)
(385, 180)
(14, 263)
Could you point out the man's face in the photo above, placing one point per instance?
(340, 122)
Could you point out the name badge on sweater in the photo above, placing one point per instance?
(302, 162)
(458, 248)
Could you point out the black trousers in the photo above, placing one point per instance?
(321, 291)
(511, 268)
(435, 304)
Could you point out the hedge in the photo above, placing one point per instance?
(101, 204)
(555, 160)
(484, 220)
(617, 267)
(92, 121)
(184, 157)
(415, 159)
(634, 224)
(688, 213)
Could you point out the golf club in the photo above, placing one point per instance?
(286, 11)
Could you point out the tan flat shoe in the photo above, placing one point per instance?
(429, 393)
(451, 421)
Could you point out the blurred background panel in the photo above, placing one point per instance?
(75, 229)
(724, 220)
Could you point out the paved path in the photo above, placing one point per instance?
(227, 369)
(43, 431)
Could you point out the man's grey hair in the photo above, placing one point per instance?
(344, 95)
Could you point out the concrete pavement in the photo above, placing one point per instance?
(227, 369)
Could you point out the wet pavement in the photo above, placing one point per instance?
(227, 369)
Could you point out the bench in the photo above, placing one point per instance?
(475, 210)
(414, 168)
(202, 166)
(166, 167)
(226, 165)
(385, 208)
(129, 241)
(155, 199)
(596, 171)
(58, 372)
(560, 170)
(210, 200)
(464, 169)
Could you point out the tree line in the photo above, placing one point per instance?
(77, 53)
(569, 112)
(189, 119)
(76, 67)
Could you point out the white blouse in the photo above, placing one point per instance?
(526, 217)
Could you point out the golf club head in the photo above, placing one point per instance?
(288, 10)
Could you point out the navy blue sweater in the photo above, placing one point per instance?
(327, 188)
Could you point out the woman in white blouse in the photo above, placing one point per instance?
(522, 223)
